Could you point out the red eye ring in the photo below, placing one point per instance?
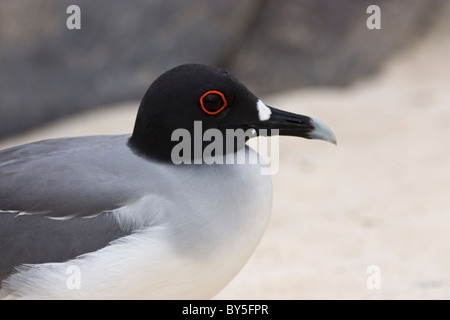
(219, 94)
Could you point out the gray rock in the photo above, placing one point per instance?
(326, 42)
(48, 71)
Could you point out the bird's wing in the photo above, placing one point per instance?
(34, 239)
(58, 198)
(64, 178)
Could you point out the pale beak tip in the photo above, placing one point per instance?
(322, 132)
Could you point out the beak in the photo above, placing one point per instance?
(291, 124)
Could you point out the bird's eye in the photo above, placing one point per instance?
(213, 102)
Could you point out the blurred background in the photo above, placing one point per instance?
(48, 71)
(382, 197)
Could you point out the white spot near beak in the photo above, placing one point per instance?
(264, 112)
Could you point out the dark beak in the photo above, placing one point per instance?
(291, 124)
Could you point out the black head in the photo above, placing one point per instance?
(192, 92)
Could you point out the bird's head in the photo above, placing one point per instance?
(193, 94)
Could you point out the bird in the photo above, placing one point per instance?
(127, 217)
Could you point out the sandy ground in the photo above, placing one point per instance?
(380, 198)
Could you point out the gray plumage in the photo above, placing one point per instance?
(66, 198)
(121, 212)
(38, 239)
(73, 176)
